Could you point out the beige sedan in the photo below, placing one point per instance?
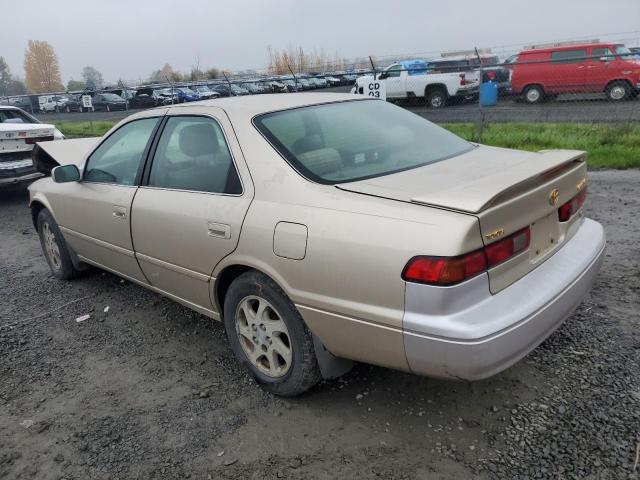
(326, 228)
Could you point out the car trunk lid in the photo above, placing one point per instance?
(507, 190)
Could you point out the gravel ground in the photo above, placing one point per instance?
(149, 389)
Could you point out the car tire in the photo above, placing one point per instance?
(280, 354)
(533, 94)
(436, 98)
(68, 109)
(54, 247)
(618, 91)
(108, 108)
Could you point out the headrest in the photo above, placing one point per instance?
(321, 161)
(199, 139)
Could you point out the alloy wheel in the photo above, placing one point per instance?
(263, 336)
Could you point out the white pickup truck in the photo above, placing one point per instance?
(411, 79)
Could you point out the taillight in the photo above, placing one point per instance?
(451, 270)
(33, 140)
(567, 210)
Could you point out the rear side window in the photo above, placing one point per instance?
(118, 158)
(569, 56)
(193, 155)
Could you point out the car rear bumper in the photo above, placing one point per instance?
(465, 332)
(17, 167)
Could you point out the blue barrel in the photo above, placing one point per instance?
(488, 94)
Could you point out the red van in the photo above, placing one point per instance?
(543, 73)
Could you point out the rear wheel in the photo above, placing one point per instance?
(54, 247)
(68, 109)
(617, 91)
(533, 94)
(436, 98)
(268, 336)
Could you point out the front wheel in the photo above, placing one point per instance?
(618, 91)
(108, 108)
(54, 247)
(268, 336)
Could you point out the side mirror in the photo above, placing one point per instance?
(604, 59)
(65, 174)
(383, 75)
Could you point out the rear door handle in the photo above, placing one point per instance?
(220, 230)
(119, 212)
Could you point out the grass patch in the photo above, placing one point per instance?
(609, 145)
(84, 129)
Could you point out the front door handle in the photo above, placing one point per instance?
(119, 212)
(220, 230)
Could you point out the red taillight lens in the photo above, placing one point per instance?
(451, 270)
(567, 210)
(444, 270)
(508, 247)
(33, 140)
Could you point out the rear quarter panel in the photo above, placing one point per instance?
(348, 287)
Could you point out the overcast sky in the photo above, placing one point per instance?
(130, 38)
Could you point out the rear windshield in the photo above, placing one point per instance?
(13, 116)
(348, 141)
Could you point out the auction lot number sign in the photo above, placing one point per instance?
(86, 102)
(376, 89)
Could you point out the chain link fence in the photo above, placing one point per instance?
(595, 81)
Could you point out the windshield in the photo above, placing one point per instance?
(203, 89)
(354, 140)
(111, 96)
(624, 51)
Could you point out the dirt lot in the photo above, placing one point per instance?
(150, 389)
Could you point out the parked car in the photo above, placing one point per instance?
(412, 79)
(108, 102)
(145, 98)
(19, 132)
(22, 102)
(291, 85)
(333, 81)
(205, 93)
(226, 90)
(70, 103)
(255, 88)
(349, 229)
(492, 70)
(544, 73)
(49, 103)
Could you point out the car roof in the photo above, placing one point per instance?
(9, 107)
(251, 105)
(568, 47)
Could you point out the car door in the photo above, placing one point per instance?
(188, 212)
(601, 68)
(394, 82)
(94, 213)
(568, 71)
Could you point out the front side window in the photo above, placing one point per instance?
(394, 71)
(598, 53)
(569, 56)
(118, 158)
(348, 141)
(193, 155)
